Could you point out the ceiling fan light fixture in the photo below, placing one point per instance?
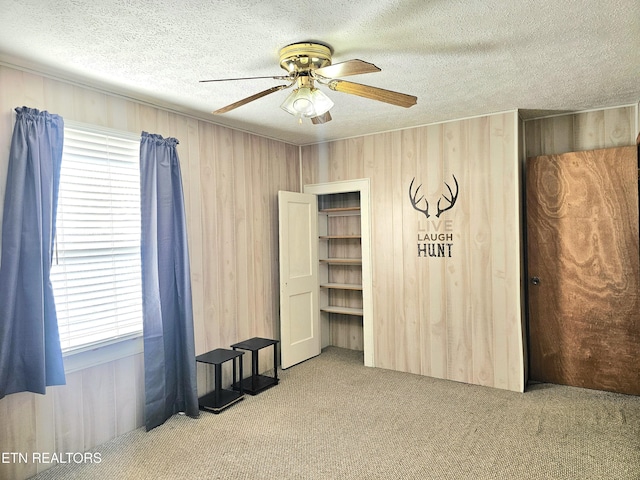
(306, 63)
(307, 102)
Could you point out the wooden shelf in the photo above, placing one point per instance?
(342, 286)
(343, 310)
(340, 211)
(341, 261)
(341, 237)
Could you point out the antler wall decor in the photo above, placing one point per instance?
(451, 199)
(415, 200)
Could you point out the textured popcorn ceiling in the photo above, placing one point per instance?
(460, 58)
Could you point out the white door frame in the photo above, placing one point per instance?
(362, 185)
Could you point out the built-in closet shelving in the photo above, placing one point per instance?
(340, 254)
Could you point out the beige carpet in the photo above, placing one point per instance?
(333, 418)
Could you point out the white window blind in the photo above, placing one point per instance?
(96, 273)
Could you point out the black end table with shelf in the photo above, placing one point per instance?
(256, 383)
(219, 399)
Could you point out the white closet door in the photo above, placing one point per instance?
(299, 311)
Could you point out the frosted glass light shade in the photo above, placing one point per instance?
(307, 102)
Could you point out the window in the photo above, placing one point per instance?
(96, 273)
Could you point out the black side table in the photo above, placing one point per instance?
(256, 382)
(220, 398)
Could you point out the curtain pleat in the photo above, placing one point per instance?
(169, 348)
(30, 354)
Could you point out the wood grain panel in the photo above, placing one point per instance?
(139, 388)
(346, 331)
(589, 131)
(44, 427)
(242, 206)
(33, 91)
(612, 127)
(507, 260)
(550, 135)
(395, 210)
(249, 235)
(59, 98)
(125, 393)
(69, 415)
(482, 210)
(620, 126)
(147, 116)
(89, 106)
(190, 169)
(118, 112)
(410, 351)
(379, 173)
(98, 397)
(18, 429)
(434, 303)
(259, 249)
(458, 282)
(338, 169)
(582, 211)
(210, 257)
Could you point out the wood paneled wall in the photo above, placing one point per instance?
(607, 128)
(458, 317)
(230, 184)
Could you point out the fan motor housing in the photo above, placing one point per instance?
(304, 57)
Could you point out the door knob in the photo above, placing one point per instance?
(535, 281)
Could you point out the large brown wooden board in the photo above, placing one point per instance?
(582, 231)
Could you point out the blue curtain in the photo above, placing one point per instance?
(30, 355)
(169, 349)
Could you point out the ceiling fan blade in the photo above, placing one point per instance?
(324, 118)
(374, 93)
(244, 101)
(279, 77)
(350, 67)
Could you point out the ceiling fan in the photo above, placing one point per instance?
(310, 63)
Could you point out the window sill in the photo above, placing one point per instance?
(98, 354)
